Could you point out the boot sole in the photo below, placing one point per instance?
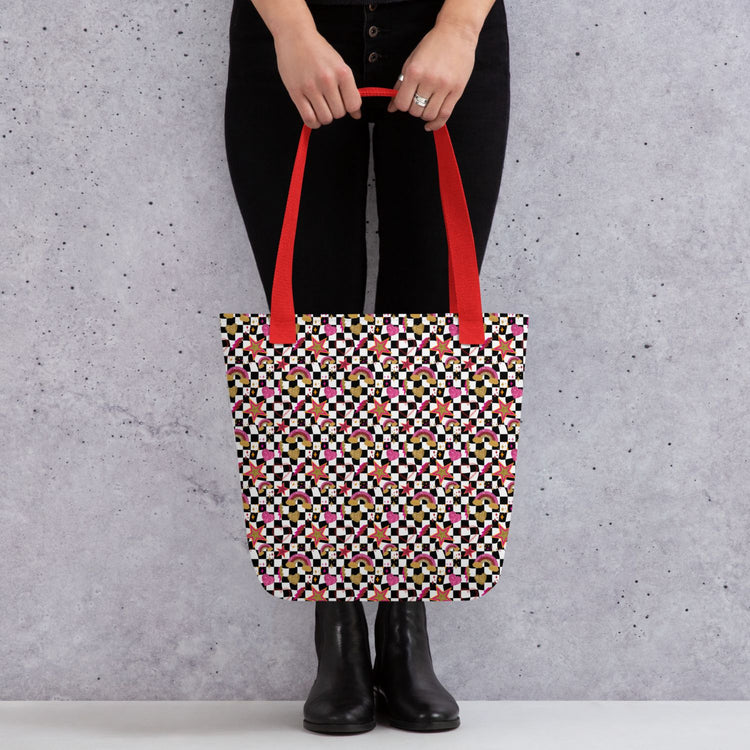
(338, 728)
(381, 708)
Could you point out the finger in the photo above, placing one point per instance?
(404, 95)
(430, 112)
(445, 111)
(391, 106)
(351, 96)
(415, 109)
(335, 103)
(307, 112)
(322, 112)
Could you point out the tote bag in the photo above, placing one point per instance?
(376, 452)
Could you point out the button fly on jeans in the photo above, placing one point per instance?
(373, 56)
(373, 31)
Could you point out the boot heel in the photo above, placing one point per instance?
(382, 715)
(381, 705)
(338, 728)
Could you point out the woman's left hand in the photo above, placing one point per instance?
(438, 69)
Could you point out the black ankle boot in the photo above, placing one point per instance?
(341, 699)
(406, 687)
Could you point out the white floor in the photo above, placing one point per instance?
(506, 725)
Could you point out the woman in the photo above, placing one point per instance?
(302, 61)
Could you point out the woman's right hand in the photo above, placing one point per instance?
(320, 83)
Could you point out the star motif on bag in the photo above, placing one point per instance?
(380, 347)
(317, 534)
(255, 409)
(405, 427)
(255, 533)
(379, 410)
(318, 472)
(442, 409)
(441, 595)
(255, 347)
(344, 364)
(379, 595)
(505, 409)
(379, 472)
(318, 410)
(318, 347)
(255, 472)
(504, 471)
(502, 534)
(442, 471)
(442, 534)
(380, 534)
(506, 346)
(442, 347)
(316, 595)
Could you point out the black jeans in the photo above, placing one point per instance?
(262, 130)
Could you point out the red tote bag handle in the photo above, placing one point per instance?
(465, 294)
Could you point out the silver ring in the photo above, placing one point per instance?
(420, 100)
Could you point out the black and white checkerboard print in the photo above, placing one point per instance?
(376, 453)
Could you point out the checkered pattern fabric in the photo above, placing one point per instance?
(376, 453)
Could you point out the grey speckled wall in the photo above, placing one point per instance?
(622, 230)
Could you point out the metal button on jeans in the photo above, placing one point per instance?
(372, 6)
(373, 31)
(373, 56)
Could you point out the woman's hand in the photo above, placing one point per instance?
(319, 81)
(438, 69)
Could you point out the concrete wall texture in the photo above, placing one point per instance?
(622, 231)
